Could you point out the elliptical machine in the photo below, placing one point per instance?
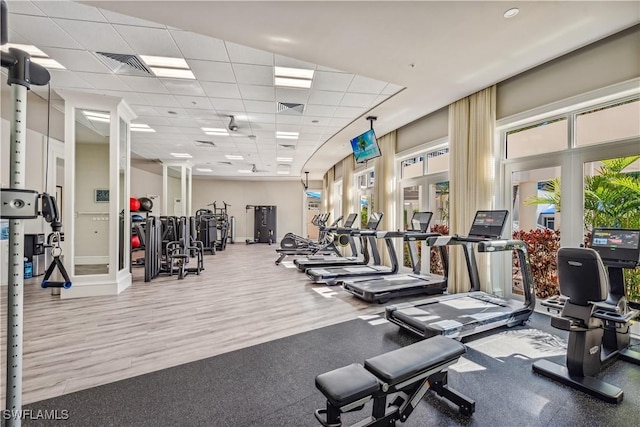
(594, 309)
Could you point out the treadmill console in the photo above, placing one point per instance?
(420, 221)
(489, 224)
(620, 247)
(374, 220)
(350, 220)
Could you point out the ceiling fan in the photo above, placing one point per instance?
(254, 169)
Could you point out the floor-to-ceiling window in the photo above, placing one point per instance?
(565, 174)
(424, 186)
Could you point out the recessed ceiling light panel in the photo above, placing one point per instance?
(298, 73)
(291, 82)
(234, 157)
(165, 62)
(174, 73)
(181, 155)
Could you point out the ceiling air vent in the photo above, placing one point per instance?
(287, 146)
(205, 143)
(225, 163)
(121, 63)
(290, 108)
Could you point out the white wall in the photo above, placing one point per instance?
(145, 184)
(609, 61)
(425, 129)
(287, 196)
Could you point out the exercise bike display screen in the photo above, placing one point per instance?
(618, 244)
(489, 224)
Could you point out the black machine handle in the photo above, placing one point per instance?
(46, 283)
(319, 416)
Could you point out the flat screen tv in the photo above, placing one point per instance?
(365, 147)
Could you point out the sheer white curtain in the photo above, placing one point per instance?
(331, 177)
(471, 170)
(324, 201)
(348, 166)
(384, 187)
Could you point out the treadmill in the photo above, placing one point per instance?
(382, 288)
(332, 261)
(334, 275)
(465, 314)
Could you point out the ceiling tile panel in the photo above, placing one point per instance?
(357, 100)
(339, 82)
(68, 79)
(117, 18)
(283, 61)
(144, 84)
(391, 89)
(289, 119)
(24, 8)
(143, 110)
(76, 60)
(361, 84)
(221, 90)
(95, 36)
(103, 81)
(348, 112)
(319, 110)
(270, 127)
(257, 93)
(174, 114)
(183, 87)
(185, 122)
(227, 104)
(195, 102)
(197, 46)
(70, 10)
(339, 122)
(206, 118)
(41, 31)
(210, 71)
(248, 55)
(149, 41)
(262, 118)
(254, 74)
(151, 120)
(16, 38)
(260, 106)
(156, 100)
(325, 97)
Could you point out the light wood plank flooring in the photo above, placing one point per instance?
(241, 299)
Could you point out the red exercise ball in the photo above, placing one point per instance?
(134, 204)
(135, 242)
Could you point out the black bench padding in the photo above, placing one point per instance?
(347, 384)
(399, 365)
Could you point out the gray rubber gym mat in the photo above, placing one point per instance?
(272, 384)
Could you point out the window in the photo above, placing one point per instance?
(438, 161)
(545, 137)
(610, 123)
(412, 167)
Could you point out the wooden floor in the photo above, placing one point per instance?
(241, 299)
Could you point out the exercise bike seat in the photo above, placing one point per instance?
(347, 384)
(411, 361)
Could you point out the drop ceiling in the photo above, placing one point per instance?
(231, 80)
(364, 53)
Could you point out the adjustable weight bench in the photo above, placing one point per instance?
(405, 374)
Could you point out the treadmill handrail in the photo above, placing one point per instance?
(520, 248)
